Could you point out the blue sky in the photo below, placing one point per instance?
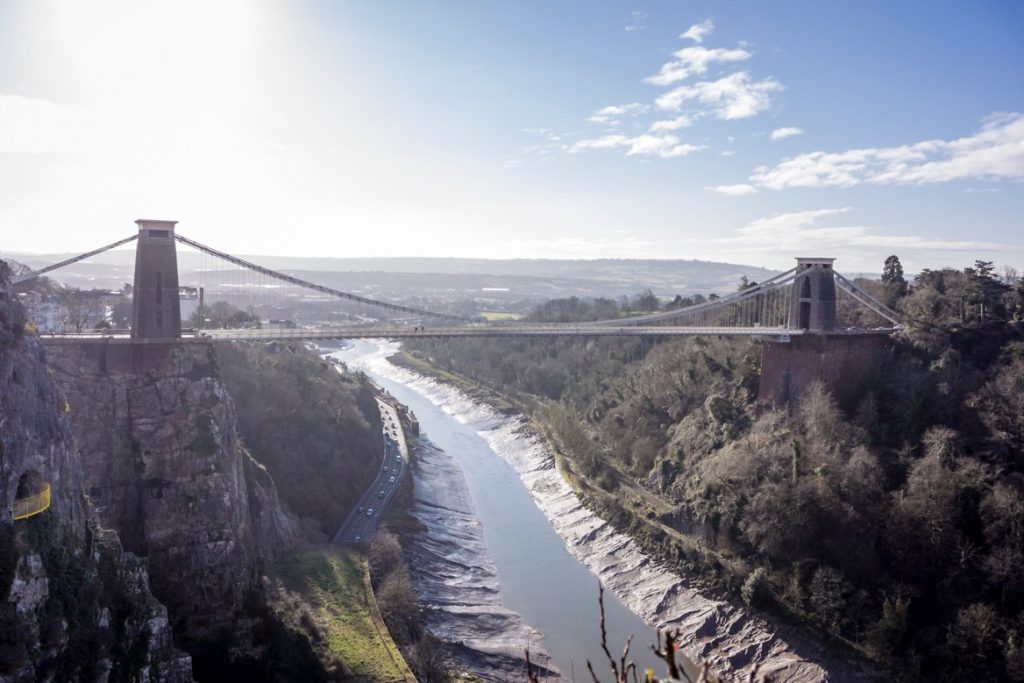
(749, 132)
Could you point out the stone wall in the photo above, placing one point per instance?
(839, 361)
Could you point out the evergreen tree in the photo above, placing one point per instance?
(893, 280)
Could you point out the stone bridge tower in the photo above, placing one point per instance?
(839, 359)
(813, 305)
(156, 309)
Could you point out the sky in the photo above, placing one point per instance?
(746, 132)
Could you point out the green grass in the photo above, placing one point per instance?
(499, 315)
(335, 583)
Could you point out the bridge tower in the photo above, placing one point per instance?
(813, 305)
(156, 310)
(839, 359)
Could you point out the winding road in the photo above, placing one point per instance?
(360, 525)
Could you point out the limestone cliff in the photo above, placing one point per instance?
(73, 604)
(164, 465)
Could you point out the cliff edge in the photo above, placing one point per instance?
(73, 604)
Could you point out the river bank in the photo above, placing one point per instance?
(456, 578)
(733, 641)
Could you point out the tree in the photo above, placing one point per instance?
(430, 660)
(984, 292)
(398, 605)
(385, 554)
(82, 309)
(646, 301)
(223, 315)
(745, 284)
(893, 271)
(892, 280)
(973, 642)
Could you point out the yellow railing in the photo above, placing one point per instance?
(33, 505)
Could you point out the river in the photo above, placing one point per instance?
(511, 557)
(551, 592)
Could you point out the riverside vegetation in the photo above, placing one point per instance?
(311, 427)
(307, 424)
(893, 523)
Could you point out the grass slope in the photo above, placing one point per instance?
(335, 583)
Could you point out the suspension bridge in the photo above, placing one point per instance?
(809, 299)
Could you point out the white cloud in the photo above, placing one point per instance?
(732, 97)
(733, 190)
(694, 61)
(698, 32)
(995, 152)
(774, 240)
(799, 232)
(665, 146)
(678, 122)
(787, 132)
(636, 21)
(608, 115)
(606, 142)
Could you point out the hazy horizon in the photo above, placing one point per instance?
(721, 133)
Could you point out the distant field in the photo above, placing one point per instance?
(500, 315)
(336, 583)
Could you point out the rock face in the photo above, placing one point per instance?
(164, 465)
(73, 604)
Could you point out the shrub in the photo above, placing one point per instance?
(756, 591)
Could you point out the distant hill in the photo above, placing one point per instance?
(534, 279)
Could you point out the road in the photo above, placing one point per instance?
(362, 522)
(423, 332)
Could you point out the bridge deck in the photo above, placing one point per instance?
(392, 332)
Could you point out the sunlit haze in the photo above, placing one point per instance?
(747, 133)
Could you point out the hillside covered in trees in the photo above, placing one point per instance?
(894, 522)
(310, 426)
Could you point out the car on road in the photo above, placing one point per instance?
(369, 513)
(391, 479)
(360, 509)
(380, 495)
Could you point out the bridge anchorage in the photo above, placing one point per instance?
(815, 323)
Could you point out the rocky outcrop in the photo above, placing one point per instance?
(73, 604)
(164, 465)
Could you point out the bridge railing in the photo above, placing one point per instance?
(32, 505)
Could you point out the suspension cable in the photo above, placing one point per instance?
(311, 285)
(68, 262)
(866, 299)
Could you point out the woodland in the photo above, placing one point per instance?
(891, 524)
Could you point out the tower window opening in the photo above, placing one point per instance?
(159, 299)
